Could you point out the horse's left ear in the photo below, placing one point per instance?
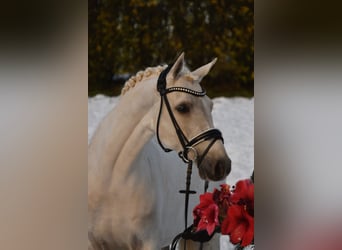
(203, 71)
(177, 67)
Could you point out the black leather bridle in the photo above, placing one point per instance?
(187, 145)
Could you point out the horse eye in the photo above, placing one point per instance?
(183, 108)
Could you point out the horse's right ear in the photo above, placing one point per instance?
(177, 67)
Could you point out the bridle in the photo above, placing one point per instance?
(187, 145)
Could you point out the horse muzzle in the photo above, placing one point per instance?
(214, 169)
(207, 150)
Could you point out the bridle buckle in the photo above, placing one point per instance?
(184, 155)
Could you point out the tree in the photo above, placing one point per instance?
(128, 36)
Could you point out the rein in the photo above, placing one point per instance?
(187, 145)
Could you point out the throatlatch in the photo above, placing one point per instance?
(187, 145)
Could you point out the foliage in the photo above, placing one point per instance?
(126, 36)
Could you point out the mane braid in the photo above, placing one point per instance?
(141, 75)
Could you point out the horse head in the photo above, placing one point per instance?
(185, 122)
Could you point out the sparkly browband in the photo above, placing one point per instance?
(161, 85)
(186, 90)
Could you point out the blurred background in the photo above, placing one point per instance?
(43, 126)
(128, 36)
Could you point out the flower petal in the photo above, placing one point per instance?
(210, 228)
(238, 233)
(225, 225)
(206, 198)
(249, 234)
(232, 219)
(202, 225)
(208, 218)
(248, 237)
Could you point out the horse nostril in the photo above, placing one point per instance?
(228, 166)
(222, 168)
(219, 169)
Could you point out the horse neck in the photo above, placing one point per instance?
(122, 134)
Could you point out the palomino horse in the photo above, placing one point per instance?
(133, 198)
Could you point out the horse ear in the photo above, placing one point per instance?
(203, 71)
(177, 67)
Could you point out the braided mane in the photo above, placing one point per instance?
(141, 75)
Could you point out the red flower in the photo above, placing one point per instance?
(244, 195)
(239, 222)
(206, 214)
(222, 199)
(232, 210)
(239, 225)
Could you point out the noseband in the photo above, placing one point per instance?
(187, 145)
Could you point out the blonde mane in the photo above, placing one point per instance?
(141, 75)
